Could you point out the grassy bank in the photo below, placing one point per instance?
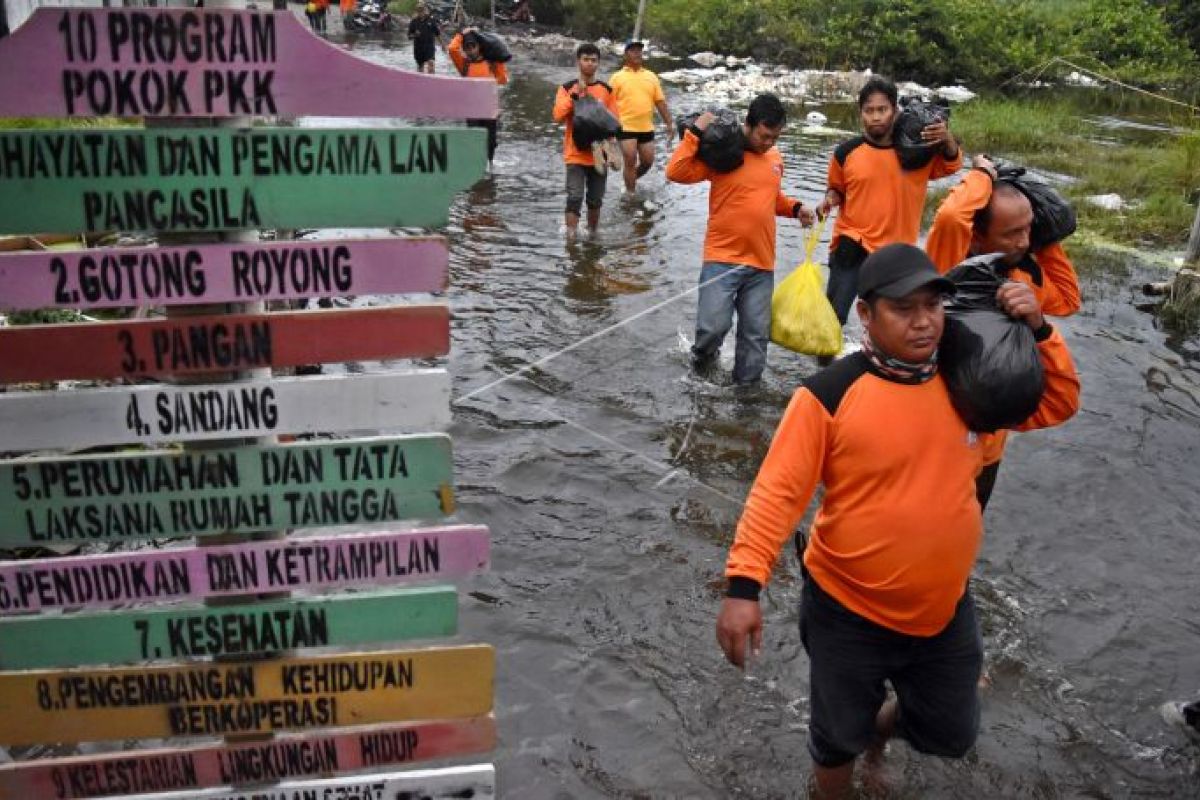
(1157, 174)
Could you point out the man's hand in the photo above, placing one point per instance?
(936, 133)
(670, 131)
(704, 120)
(739, 624)
(806, 216)
(833, 199)
(1018, 300)
(984, 162)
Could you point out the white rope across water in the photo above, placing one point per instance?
(1041, 69)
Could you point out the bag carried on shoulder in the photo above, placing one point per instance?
(801, 317)
(1053, 216)
(722, 143)
(989, 360)
(914, 115)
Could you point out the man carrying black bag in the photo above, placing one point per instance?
(987, 214)
(585, 178)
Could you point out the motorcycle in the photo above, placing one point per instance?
(370, 16)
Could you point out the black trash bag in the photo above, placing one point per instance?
(914, 115)
(722, 143)
(1053, 216)
(492, 47)
(593, 122)
(989, 359)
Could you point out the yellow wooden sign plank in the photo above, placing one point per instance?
(221, 699)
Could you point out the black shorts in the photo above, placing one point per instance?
(936, 679)
(642, 138)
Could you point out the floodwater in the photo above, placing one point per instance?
(612, 480)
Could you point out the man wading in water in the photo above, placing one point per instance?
(886, 594)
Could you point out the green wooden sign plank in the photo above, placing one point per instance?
(213, 180)
(206, 492)
(69, 640)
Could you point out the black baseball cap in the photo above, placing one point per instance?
(634, 43)
(897, 270)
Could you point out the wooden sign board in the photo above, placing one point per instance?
(199, 573)
(281, 758)
(225, 699)
(190, 345)
(221, 273)
(206, 492)
(477, 781)
(130, 62)
(70, 640)
(412, 401)
(218, 179)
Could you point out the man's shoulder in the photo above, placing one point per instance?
(569, 85)
(843, 150)
(831, 384)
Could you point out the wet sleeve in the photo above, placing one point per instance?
(564, 105)
(454, 50)
(943, 166)
(950, 237)
(1060, 398)
(781, 492)
(685, 165)
(1060, 284)
(500, 71)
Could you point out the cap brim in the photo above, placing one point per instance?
(910, 283)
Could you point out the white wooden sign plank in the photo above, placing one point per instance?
(476, 781)
(410, 401)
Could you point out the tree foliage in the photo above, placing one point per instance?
(978, 41)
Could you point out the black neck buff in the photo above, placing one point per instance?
(895, 369)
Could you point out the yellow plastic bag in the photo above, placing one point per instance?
(801, 317)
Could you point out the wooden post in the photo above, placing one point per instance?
(637, 26)
(1192, 257)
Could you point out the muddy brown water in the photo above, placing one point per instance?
(612, 481)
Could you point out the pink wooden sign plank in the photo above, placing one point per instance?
(126, 62)
(281, 758)
(197, 573)
(221, 273)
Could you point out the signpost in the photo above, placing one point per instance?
(208, 492)
(68, 640)
(199, 573)
(131, 62)
(220, 699)
(221, 273)
(412, 401)
(221, 343)
(477, 782)
(281, 758)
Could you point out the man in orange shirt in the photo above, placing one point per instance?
(982, 215)
(467, 54)
(583, 179)
(880, 202)
(739, 243)
(886, 595)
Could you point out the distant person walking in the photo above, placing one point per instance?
(466, 51)
(739, 243)
(879, 202)
(585, 183)
(639, 94)
(424, 31)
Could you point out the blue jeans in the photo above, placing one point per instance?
(748, 291)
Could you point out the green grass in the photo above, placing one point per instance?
(1161, 177)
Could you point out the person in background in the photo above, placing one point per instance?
(584, 180)
(738, 273)
(639, 94)
(886, 593)
(466, 52)
(879, 202)
(981, 216)
(424, 30)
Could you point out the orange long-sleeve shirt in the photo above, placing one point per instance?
(742, 204)
(496, 70)
(881, 203)
(1051, 275)
(1048, 271)
(899, 527)
(564, 111)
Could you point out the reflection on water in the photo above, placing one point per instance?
(612, 480)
